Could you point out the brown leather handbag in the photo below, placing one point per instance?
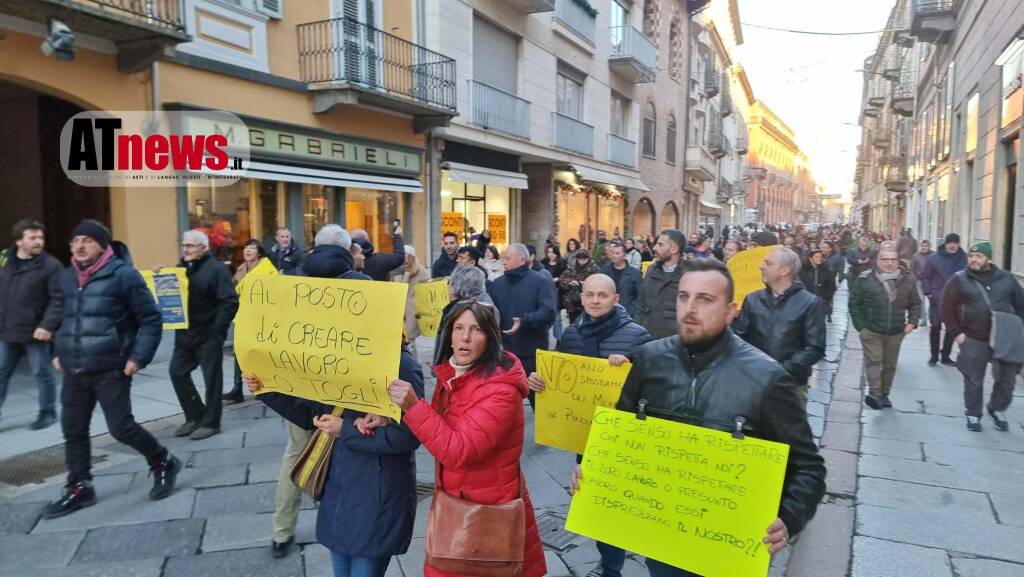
(472, 539)
(309, 471)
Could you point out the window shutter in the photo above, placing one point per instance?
(272, 8)
(495, 56)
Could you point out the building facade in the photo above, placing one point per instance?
(780, 181)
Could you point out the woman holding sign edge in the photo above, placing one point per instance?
(474, 428)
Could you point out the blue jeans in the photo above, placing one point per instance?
(612, 559)
(659, 569)
(347, 566)
(557, 327)
(39, 359)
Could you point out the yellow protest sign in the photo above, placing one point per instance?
(644, 266)
(451, 222)
(575, 385)
(497, 226)
(170, 289)
(745, 269)
(431, 298)
(691, 497)
(328, 340)
(264, 268)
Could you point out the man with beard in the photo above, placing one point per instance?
(447, 260)
(656, 304)
(707, 376)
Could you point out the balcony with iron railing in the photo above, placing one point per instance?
(573, 17)
(724, 191)
(621, 150)
(634, 56)
(348, 62)
(711, 81)
(896, 175)
(531, 6)
(742, 143)
(933, 20)
(724, 99)
(572, 134)
(494, 109)
(143, 31)
(902, 102)
(716, 143)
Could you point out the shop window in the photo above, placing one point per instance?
(670, 139)
(972, 124)
(479, 205)
(375, 212)
(319, 209)
(650, 131)
(231, 215)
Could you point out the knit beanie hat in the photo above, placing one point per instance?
(984, 248)
(952, 237)
(93, 230)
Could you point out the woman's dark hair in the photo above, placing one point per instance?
(558, 253)
(259, 247)
(493, 250)
(572, 241)
(493, 355)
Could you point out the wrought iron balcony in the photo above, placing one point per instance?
(902, 102)
(571, 134)
(621, 150)
(495, 109)
(711, 81)
(882, 136)
(531, 6)
(933, 20)
(724, 192)
(725, 100)
(716, 144)
(142, 31)
(348, 62)
(634, 56)
(739, 190)
(896, 175)
(576, 19)
(742, 144)
(893, 64)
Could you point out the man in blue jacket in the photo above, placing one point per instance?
(526, 301)
(111, 330)
(943, 263)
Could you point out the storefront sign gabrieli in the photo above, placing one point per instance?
(269, 140)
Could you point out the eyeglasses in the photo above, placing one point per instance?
(190, 245)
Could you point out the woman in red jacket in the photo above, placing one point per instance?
(478, 440)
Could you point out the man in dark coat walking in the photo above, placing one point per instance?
(110, 331)
(627, 279)
(212, 303)
(285, 254)
(656, 305)
(604, 330)
(378, 266)
(783, 319)
(968, 302)
(31, 306)
(447, 260)
(942, 264)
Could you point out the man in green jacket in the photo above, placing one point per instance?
(884, 307)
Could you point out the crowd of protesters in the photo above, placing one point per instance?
(666, 303)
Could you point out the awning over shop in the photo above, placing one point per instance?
(710, 205)
(286, 173)
(605, 177)
(479, 175)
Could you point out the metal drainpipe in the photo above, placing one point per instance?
(428, 225)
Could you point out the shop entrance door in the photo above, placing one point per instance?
(474, 215)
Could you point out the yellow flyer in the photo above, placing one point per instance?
(264, 268)
(690, 497)
(644, 266)
(170, 289)
(328, 340)
(431, 298)
(575, 385)
(745, 269)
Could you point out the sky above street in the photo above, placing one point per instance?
(810, 81)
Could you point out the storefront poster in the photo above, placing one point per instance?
(451, 222)
(497, 225)
(694, 498)
(574, 386)
(328, 340)
(745, 269)
(431, 298)
(170, 289)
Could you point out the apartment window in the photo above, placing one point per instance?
(948, 111)
(972, 124)
(670, 139)
(619, 20)
(619, 116)
(650, 130)
(495, 56)
(569, 92)
(1012, 92)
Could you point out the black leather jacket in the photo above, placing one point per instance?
(730, 378)
(790, 329)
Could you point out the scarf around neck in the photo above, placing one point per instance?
(83, 276)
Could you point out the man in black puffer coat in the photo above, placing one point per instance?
(526, 301)
(212, 304)
(110, 331)
(707, 376)
(604, 330)
(784, 320)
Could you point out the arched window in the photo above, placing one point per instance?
(643, 218)
(670, 139)
(650, 133)
(670, 216)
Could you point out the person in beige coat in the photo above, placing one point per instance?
(412, 273)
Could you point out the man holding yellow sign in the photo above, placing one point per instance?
(591, 375)
(723, 496)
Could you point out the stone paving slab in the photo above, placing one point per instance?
(986, 568)
(1001, 542)
(987, 461)
(141, 541)
(264, 472)
(226, 532)
(892, 448)
(845, 412)
(842, 437)
(272, 431)
(953, 503)
(1009, 509)
(19, 517)
(143, 568)
(252, 498)
(824, 545)
(130, 508)
(240, 563)
(21, 552)
(412, 562)
(262, 454)
(225, 440)
(878, 558)
(841, 472)
(953, 476)
(936, 429)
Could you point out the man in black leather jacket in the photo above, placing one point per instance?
(706, 375)
(785, 320)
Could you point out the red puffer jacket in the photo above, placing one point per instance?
(478, 442)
